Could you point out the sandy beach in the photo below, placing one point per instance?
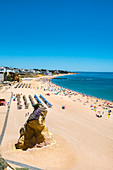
(82, 131)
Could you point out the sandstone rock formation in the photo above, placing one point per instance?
(35, 133)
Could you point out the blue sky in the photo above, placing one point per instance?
(75, 35)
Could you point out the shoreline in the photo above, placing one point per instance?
(79, 134)
(81, 92)
(94, 105)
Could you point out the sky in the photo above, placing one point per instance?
(73, 35)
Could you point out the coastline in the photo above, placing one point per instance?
(99, 101)
(80, 92)
(79, 134)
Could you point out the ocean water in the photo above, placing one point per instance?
(91, 83)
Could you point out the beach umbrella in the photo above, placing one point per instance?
(63, 107)
(48, 94)
(3, 102)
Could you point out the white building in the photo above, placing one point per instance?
(57, 72)
(38, 72)
(10, 70)
(1, 76)
(31, 71)
(48, 73)
(2, 71)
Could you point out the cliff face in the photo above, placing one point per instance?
(34, 133)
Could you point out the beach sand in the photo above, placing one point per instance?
(83, 140)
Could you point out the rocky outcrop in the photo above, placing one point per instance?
(35, 133)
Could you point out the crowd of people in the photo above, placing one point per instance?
(99, 106)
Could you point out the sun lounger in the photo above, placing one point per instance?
(32, 101)
(19, 106)
(25, 102)
(16, 85)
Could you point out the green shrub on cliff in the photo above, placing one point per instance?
(3, 164)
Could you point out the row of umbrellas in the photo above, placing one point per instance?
(45, 101)
(37, 99)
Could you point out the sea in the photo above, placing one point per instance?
(97, 84)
